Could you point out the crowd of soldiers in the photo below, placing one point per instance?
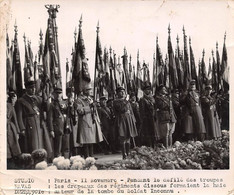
(73, 126)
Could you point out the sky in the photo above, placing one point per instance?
(127, 23)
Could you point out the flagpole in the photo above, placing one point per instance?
(95, 69)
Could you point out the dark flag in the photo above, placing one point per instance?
(99, 69)
(192, 63)
(180, 71)
(154, 77)
(106, 69)
(16, 67)
(166, 72)
(173, 78)
(187, 73)
(80, 74)
(214, 79)
(159, 66)
(112, 83)
(199, 78)
(204, 78)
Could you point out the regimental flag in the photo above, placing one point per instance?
(36, 76)
(40, 56)
(218, 69)
(16, 67)
(132, 87)
(225, 67)
(166, 72)
(8, 64)
(173, 77)
(28, 63)
(214, 79)
(179, 66)
(125, 68)
(120, 75)
(209, 75)
(47, 78)
(139, 81)
(68, 75)
(159, 68)
(99, 75)
(199, 78)
(146, 76)
(203, 76)
(192, 63)
(154, 75)
(80, 76)
(112, 83)
(187, 73)
(51, 51)
(106, 69)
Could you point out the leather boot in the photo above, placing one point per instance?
(127, 145)
(123, 149)
(86, 150)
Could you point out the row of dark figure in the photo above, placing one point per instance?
(71, 127)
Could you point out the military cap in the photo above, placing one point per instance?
(103, 98)
(208, 87)
(147, 85)
(192, 82)
(87, 86)
(69, 90)
(132, 95)
(29, 84)
(161, 87)
(120, 88)
(58, 90)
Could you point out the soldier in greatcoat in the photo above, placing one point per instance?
(191, 98)
(58, 127)
(166, 116)
(106, 125)
(178, 134)
(211, 118)
(89, 129)
(148, 130)
(136, 111)
(72, 122)
(125, 122)
(28, 109)
(13, 131)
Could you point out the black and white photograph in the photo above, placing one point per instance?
(136, 86)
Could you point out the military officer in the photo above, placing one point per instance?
(89, 129)
(211, 118)
(28, 110)
(149, 132)
(57, 124)
(13, 131)
(136, 111)
(166, 116)
(125, 122)
(191, 99)
(106, 125)
(72, 122)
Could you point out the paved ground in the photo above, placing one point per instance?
(108, 158)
